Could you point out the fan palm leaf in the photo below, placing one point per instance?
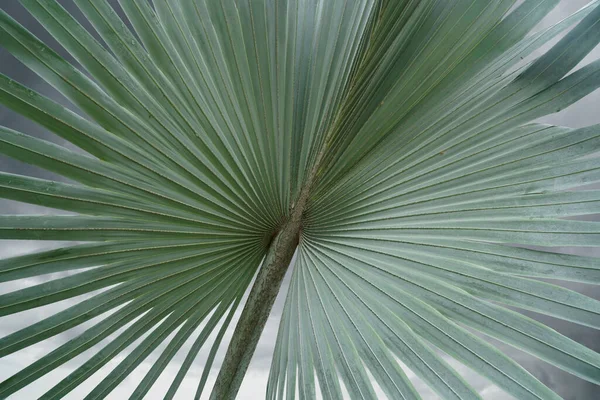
(392, 145)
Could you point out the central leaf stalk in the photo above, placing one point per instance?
(259, 304)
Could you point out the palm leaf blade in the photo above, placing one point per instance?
(394, 144)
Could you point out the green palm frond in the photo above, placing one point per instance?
(394, 145)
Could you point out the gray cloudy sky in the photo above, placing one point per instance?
(584, 113)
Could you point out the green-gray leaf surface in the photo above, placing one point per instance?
(410, 125)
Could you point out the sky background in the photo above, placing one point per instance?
(584, 113)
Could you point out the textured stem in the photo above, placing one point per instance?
(257, 308)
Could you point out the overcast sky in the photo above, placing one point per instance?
(584, 113)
